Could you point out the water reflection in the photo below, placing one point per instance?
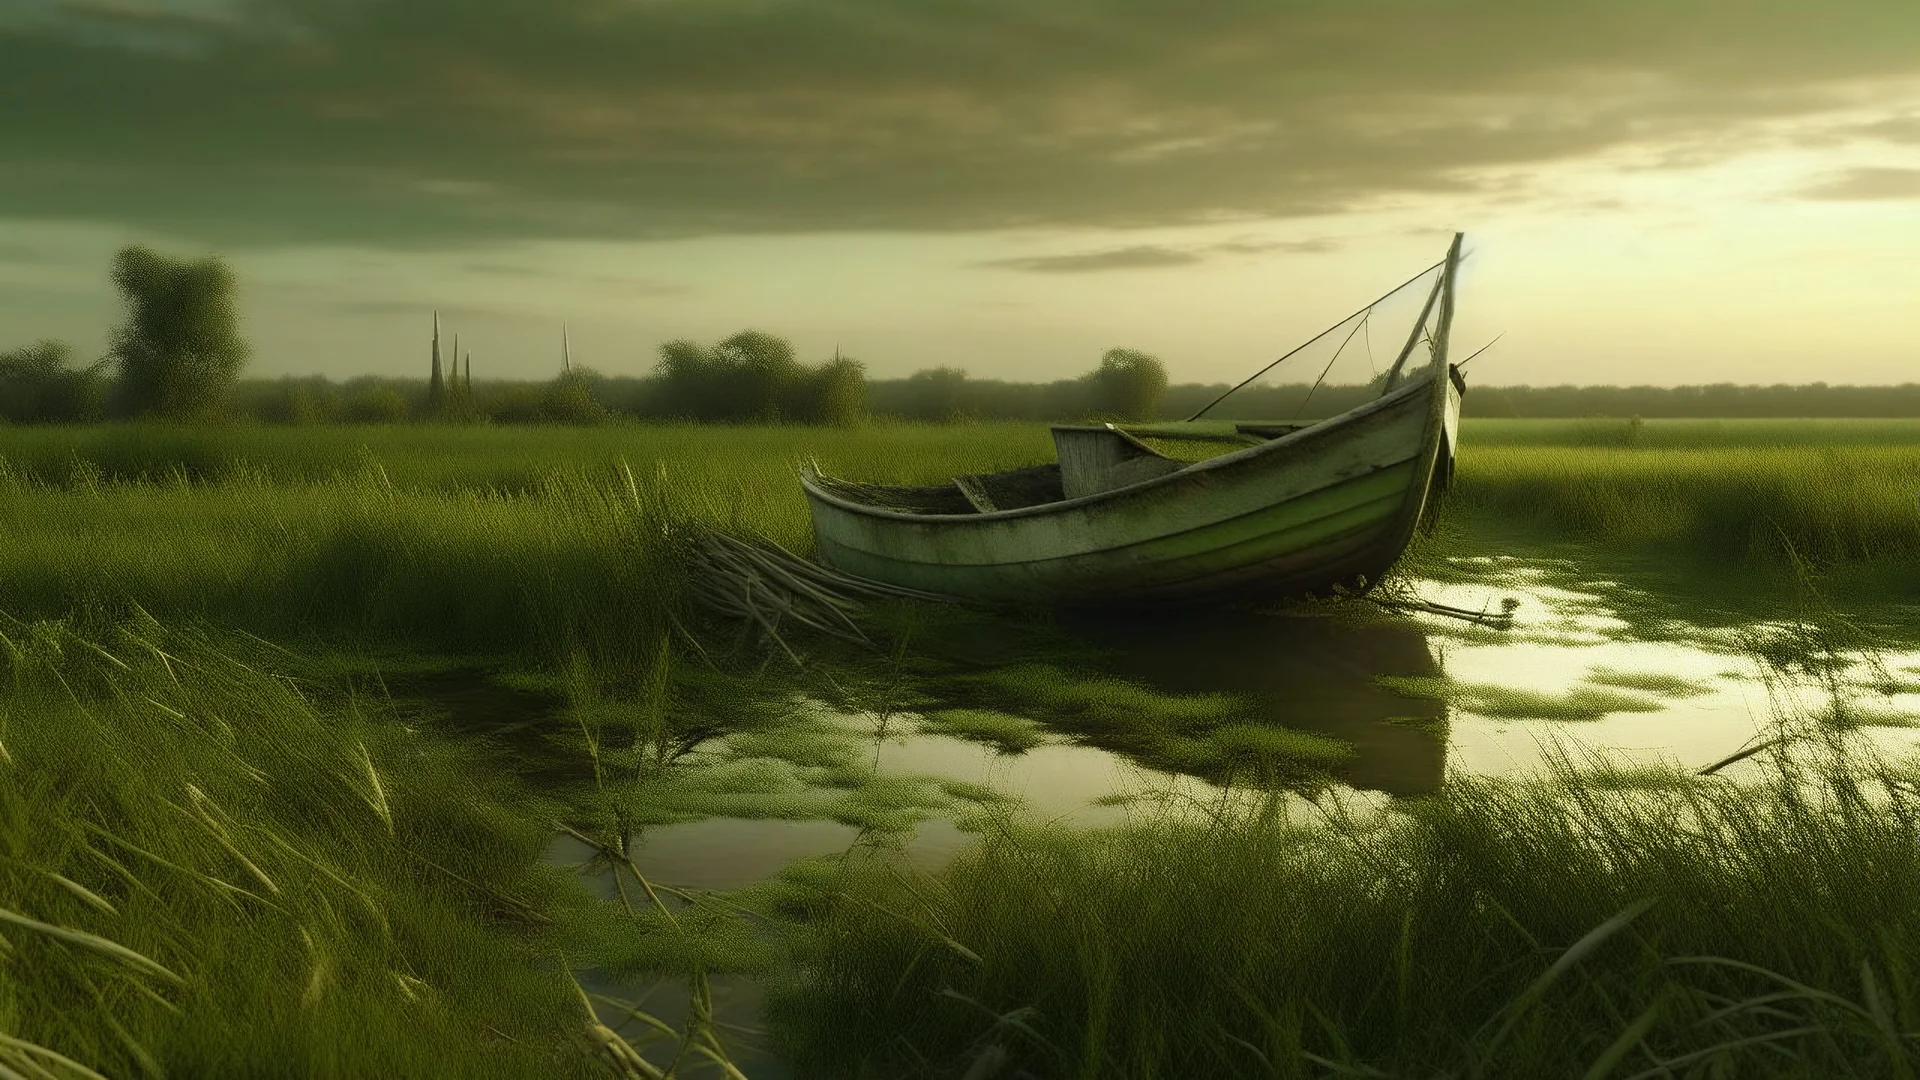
(736, 1018)
(1707, 692)
(719, 853)
(1309, 673)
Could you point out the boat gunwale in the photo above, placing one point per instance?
(809, 473)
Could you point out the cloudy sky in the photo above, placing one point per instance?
(1660, 191)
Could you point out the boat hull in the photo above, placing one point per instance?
(1328, 507)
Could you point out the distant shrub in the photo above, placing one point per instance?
(40, 384)
(570, 399)
(1128, 385)
(377, 405)
(837, 393)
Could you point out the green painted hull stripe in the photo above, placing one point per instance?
(1344, 516)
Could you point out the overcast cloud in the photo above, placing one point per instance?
(424, 122)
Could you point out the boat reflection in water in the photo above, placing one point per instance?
(1308, 673)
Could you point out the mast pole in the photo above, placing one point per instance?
(1419, 324)
(1445, 329)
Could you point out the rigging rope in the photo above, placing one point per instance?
(1364, 320)
(1303, 345)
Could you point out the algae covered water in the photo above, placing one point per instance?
(1387, 704)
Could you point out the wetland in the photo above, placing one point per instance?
(394, 750)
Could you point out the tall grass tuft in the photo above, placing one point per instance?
(1590, 923)
(207, 869)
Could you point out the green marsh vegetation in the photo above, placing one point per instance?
(143, 562)
(212, 869)
(1590, 923)
(1754, 918)
(1826, 504)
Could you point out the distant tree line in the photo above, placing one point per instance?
(947, 394)
(60, 390)
(178, 356)
(750, 377)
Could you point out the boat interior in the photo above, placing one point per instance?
(1092, 458)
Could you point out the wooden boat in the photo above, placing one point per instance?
(1296, 510)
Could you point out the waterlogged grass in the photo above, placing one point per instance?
(212, 870)
(1258, 752)
(1005, 732)
(1581, 703)
(1207, 735)
(1659, 683)
(1557, 927)
(1096, 703)
(792, 760)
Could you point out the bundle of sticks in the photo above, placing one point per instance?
(765, 585)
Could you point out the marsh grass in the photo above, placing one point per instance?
(1658, 683)
(1209, 735)
(209, 867)
(1827, 504)
(577, 566)
(438, 540)
(1580, 703)
(1592, 920)
(1005, 732)
(483, 528)
(724, 460)
(370, 901)
(1583, 923)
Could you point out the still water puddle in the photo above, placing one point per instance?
(1415, 697)
(736, 1002)
(1573, 674)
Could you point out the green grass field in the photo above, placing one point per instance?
(471, 538)
(250, 821)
